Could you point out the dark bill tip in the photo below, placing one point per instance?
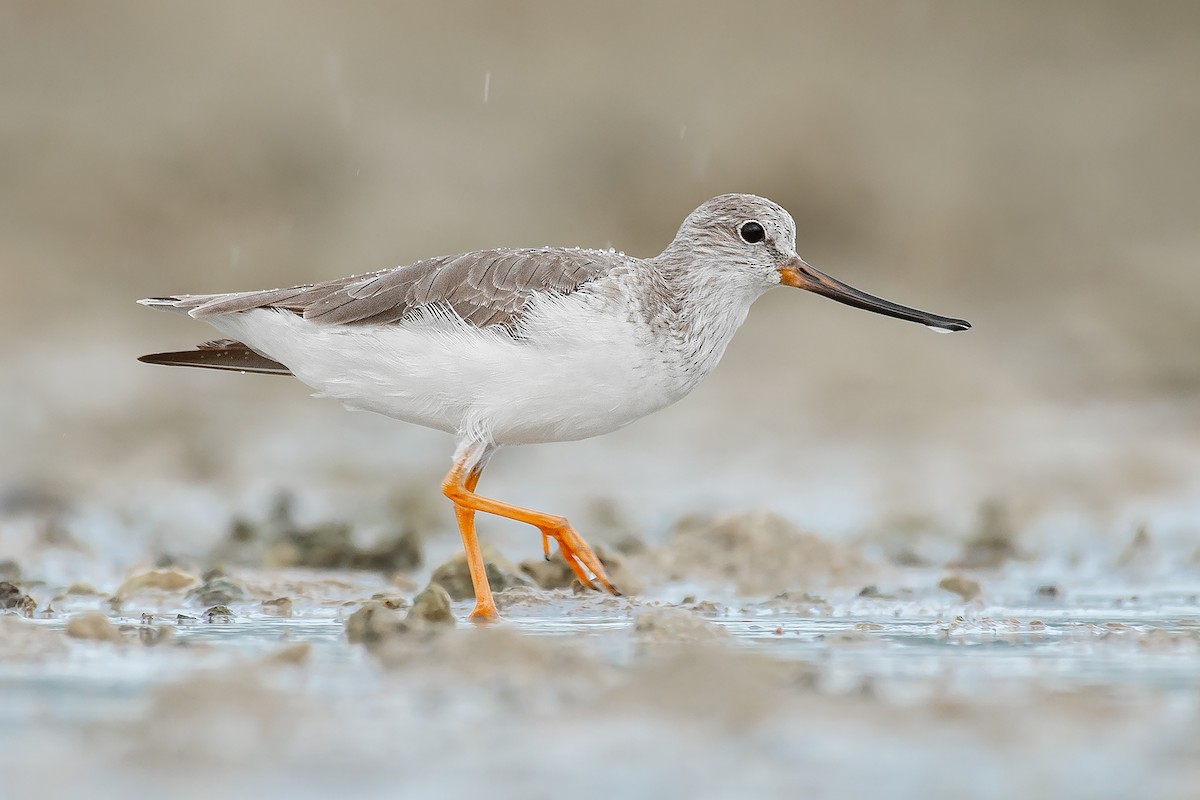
(799, 274)
(950, 326)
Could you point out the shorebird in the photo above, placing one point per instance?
(521, 346)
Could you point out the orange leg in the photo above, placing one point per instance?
(485, 606)
(459, 486)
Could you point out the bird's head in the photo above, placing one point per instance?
(751, 242)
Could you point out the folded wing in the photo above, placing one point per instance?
(487, 287)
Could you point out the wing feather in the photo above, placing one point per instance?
(487, 287)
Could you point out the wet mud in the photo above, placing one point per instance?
(753, 646)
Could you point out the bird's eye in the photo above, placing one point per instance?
(752, 232)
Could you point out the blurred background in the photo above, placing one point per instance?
(1031, 167)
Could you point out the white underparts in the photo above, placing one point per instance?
(581, 364)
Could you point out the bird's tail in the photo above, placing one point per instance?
(225, 354)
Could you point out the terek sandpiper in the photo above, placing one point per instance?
(507, 347)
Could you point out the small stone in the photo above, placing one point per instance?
(11, 597)
(279, 541)
(373, 623)
(218, 613)
(279, 607)
(704, 607)
(390, 601)
(402, 552)
(669, 624)
(92, 625)
(760, 554)
(455, 577)
(431, 607)
(217, 589)
(796, 603)
(965, 588)
(165, 580)
(326, 546)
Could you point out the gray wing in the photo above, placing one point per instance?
(487, 287)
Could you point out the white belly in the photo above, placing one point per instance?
(579, 369)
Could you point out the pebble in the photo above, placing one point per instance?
(92, 625)
(965, 588)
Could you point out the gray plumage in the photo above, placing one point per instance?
(487, 287)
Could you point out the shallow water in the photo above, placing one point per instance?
(1093, 639)
(213, 701)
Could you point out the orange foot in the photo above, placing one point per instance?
(459, 486)
(579, 556)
